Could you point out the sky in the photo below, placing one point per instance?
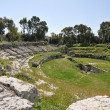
(58, 13)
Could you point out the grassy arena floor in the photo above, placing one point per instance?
(72, 83)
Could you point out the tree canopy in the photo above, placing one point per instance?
(34, 29)
(104, 32)
(83, 33)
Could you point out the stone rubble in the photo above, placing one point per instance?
(15, 103)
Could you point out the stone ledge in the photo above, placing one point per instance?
(34, 64)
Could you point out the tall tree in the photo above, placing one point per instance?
(12, 34)
(83, 33)
(42, 30)
(54, 38)
(69, 36)
(36, 29)
(104, 32)
(34, 24)
(24, 24)
(2, 27)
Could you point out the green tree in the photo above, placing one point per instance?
(38, 28)
(61, 38)
(35, 28)
(54, 38)
(42, 30)
(84, 34)
(69, 36)
(24, 24)
(12, 34)
(104, 32)
(2, 27)
(34, 23)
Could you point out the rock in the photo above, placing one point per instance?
(19, 54)
(12, 70)
(94, 103)
(39, 82)
(90, 69)
(51, 86)
(1, 68)
(46, 93)
(15, 103)
(22, 89)
(35, 64)
(10, 101)
(12, 57)
(8, 68)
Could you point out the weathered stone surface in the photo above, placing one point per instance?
(34, 64)
(16, 45)
(94, 103)
(39, 82)
(1, 68)
(22, 89)
(20, 54)
(8, 68)
(50, 58)
(46, 93)
(10, 101)
(15, 103)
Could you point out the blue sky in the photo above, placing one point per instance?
(58, 13)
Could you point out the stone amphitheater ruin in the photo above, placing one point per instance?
(20, 54)
(16, 94)
(12, 97)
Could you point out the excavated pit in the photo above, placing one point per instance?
(90, 69)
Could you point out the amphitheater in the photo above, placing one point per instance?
(21, 53)
(17, 95)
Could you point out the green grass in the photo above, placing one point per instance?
(61, 69)
(105, 65)
(4, 42)
(70, 81)
(100, 49)
(4, 62)
(24, 77)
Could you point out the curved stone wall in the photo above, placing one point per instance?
(52, 57)
(72, 54)
(90, 68)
